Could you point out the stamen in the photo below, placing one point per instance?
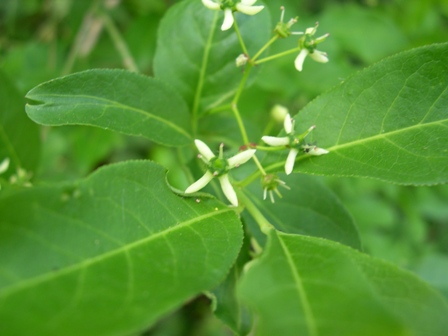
(282, 15)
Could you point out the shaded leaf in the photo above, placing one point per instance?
(113, 99)
(204, 66)
(108, 255)
(228, 307)
(310, 286)
(19, 137)
(309, 208)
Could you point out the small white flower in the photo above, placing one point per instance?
(293, 142)
(244, 6)
(241, 60)
(308, 45)
(283, 29)
(4, 165)
(270, 184)
(219, 167)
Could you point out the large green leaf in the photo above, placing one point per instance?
(108, 255)
(388, 122)
(113, 99)
(311, 286)
(19, 137)
(309, 208)
(197, 58)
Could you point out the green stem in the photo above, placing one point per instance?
(284, 53)
(272, 40)
(197, 96)
(260, 167)
(262, 222)
(220, 108)
(237, 115)
(242, 84)
(119, 43)
(235, 102)
(270, 149)
(240, 38)
(80, 38)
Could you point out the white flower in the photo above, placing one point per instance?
(219, 167)
(308, 45)
(270, 183)
(4, 165)
(244, 6)
(241, 60)
(293, 142)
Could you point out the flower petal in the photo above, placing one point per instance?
(316, 151)
(249, 10)
(4, 165)
(228, 19)
(240, 158)
(275, 141)
(211, 4)
(290, 160)
(300, 59)
(248, 2)
(227, 189)
(287, 124)
(199, 184)
(319, 56)
(205, 151)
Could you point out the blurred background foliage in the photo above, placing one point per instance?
(45, 39)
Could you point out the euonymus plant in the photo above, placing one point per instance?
(269, 244)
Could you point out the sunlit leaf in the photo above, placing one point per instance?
(113, 99)
(108, 255)
(388, 122)
(310, 286)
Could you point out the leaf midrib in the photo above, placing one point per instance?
(309, 317)
(113, 103)
(357, 142)
(122, 249)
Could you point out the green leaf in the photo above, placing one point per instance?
(368, 29)
(387, 122)
(110, 254)
(19, 138)
(311, 286)
(119, 100)
(228, 307)
(309, 208)
(197, 58)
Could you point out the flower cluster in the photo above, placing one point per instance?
(294, 142)
(217, 165)
(229, 6)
